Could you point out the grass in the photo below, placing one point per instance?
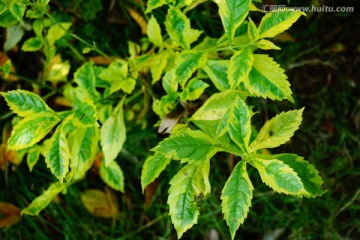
(324, 79)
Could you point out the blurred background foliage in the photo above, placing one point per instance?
(321, 55)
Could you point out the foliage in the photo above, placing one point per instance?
(206, 83)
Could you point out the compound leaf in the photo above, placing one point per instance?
(267, 79)
(232, 14)
(277, 130)
(190, 182)
(191, 145)
(25, 103)
(276, 22)
(44, 199)
(112, 175)
(239, 66)
(152, 168)
(236, 197)
(31, 130)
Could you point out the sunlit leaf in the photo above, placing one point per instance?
(217, 72)
(154, 32)
(239, 66)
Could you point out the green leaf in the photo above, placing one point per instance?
(239, 66)
(193, 90)
(191, 181)
(169, 82)
(306, 172)
(127, 85)
(159, 62)
(6, 68)
(154, 32)
(33, 157)
(252, 30)
(179, 29)
(279, 176)
(57, 154)
(25, 103)
(7, 19)
(266, 45)
(232, 14)
(112, 176)
(236, 197)
(86, 79)
(17, 10)
(165, 104)
(32, 44)
(113, 134)
(277, 130)
(152, 4)
(57, 31)
(239, 125)
(84, 145)
(44, 199)
(276, 22)
(190, 145)
(115, 71)
(85, 114)
(217, 72)
(187, 63)
(267, 79)
(152, 168)
(31, 130)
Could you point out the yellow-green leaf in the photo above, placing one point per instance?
(152, 4)
(152, 168)
(112, 175)
(217, 72)
(193, 90)
(57, 31)
(154, 32)
(159, 62)
(32, 44)
(266, 45)
(86, 79)
(252, 30)
(236, 197)
(239, 66)
(85, 114)
(187, 63)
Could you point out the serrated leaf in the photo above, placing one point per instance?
(57, 31)
(217, 72)
(18, 10)
(277, 130)
(252, 31)
(239, 125)
(31, 130)
(279, 176)
(306, 172)
(152, 4)
(159, 62)
(187, 63)
(232, 14)
(152, 168)
(33, 157)
(113, 134)
(86, 79)
(276, 22)
(32, 44)
(84, 145)
(44, 199)
(57, 154)
(191, 145)
(112, 175)
(191, 181)
(193, 90)
(25, 103)
(239, 66)
(236, 197)
(266, 45)
(154, 32)
(85, 114)
(267, 79)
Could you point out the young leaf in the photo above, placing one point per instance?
(165, 104)
(152, 4)
(267, 79)
(57, 31)
(239, 125)
(158, 65)
(154, 32)
(232, 14)
(306, 172)
(217, 72)
(239, 66)
(276, 22)
(266, 45)
(252, 30)
(193, 90)
(25, 103)
(33, 157)
(32, 44)
(190, 182)
(31, 130)
(86, 79)
(57, 154)
(188, 146)
(152, 168)
(17, 10)
(236, 197)
(85, 114)
(44, 199)
(170, 83)
(113, 134)
(279, 176)
(115, 71)
(84, 146)
(187, 63)
(127, 85)
(112, 175)
(277, 130)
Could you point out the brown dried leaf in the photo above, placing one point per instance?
(139, 19)
(7, 157)
(10, 215)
